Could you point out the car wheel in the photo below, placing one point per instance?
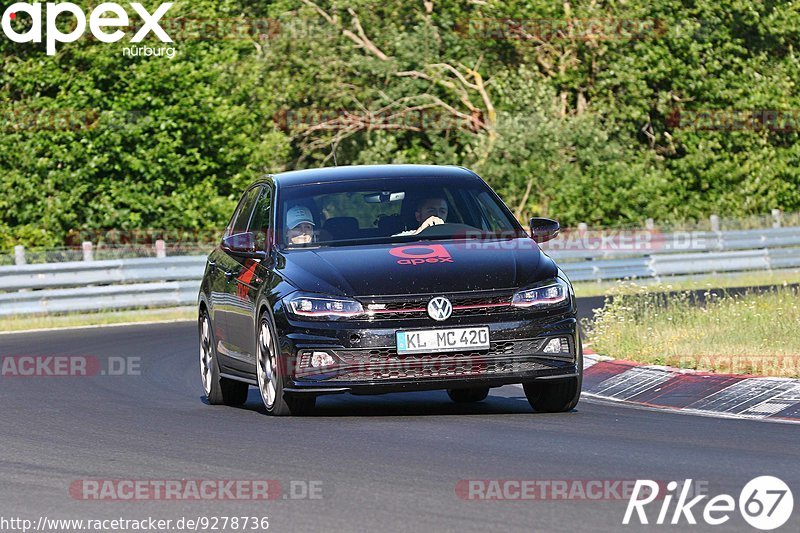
(476, 394)
(556, 396)
(270, 375)
(219, 391)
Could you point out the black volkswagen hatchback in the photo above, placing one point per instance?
(379, 279)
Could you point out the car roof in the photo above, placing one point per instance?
(360, 172)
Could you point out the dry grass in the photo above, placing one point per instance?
(96, 319)
(750, 333)
(716, 281)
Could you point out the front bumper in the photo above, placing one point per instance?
(366, 359)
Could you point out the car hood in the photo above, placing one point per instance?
(420, 268)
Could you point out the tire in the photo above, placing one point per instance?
(472, 395)
(270, 373)
(556, 396)
(219, 391)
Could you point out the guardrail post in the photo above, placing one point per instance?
(777, 215)
(714, 223)
(19, 255)
(88, 253)
(161, 249)
(582, 228)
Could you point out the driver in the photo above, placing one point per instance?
(431, 211)
(299, 225)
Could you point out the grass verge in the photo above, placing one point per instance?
(717, 281)
(104, 318)
(740, 334)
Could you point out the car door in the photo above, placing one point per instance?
(218, 263)
(231, 305)
(251, 275)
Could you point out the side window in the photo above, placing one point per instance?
(261, 222)
(454, 215)
(243, 213)
(492, 214)
(229, 227)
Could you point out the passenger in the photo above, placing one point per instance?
(300, 225)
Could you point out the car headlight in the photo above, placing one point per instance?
(545, 295)
(319, 307)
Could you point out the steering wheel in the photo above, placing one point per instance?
(448, 229)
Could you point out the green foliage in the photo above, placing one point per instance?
(581, 129)
(158, 143)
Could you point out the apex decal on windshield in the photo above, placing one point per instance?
(103, 16)
(419, 254)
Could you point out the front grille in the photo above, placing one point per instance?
(503, 357)
(430, 367)
(389, 355)
(416, 306)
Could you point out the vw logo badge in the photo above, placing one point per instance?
(440, 308)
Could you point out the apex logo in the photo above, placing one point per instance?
(98, 20)
(419, 254)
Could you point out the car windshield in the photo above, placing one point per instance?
(391, 210)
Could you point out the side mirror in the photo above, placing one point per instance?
(243, 245)
(544, 229)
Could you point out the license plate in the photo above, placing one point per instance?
(442, 340)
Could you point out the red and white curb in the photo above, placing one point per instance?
(689, 391)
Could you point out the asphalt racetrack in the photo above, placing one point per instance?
(396, 462)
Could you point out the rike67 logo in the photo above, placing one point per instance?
(765, 503)
(101, 21)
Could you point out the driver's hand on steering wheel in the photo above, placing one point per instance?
(431, 221)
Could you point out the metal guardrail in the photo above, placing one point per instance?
(677, 254)
(82, 273)
(174, 281)
(572, 245)
(140, 295)
(100, 285)
(658, 266)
